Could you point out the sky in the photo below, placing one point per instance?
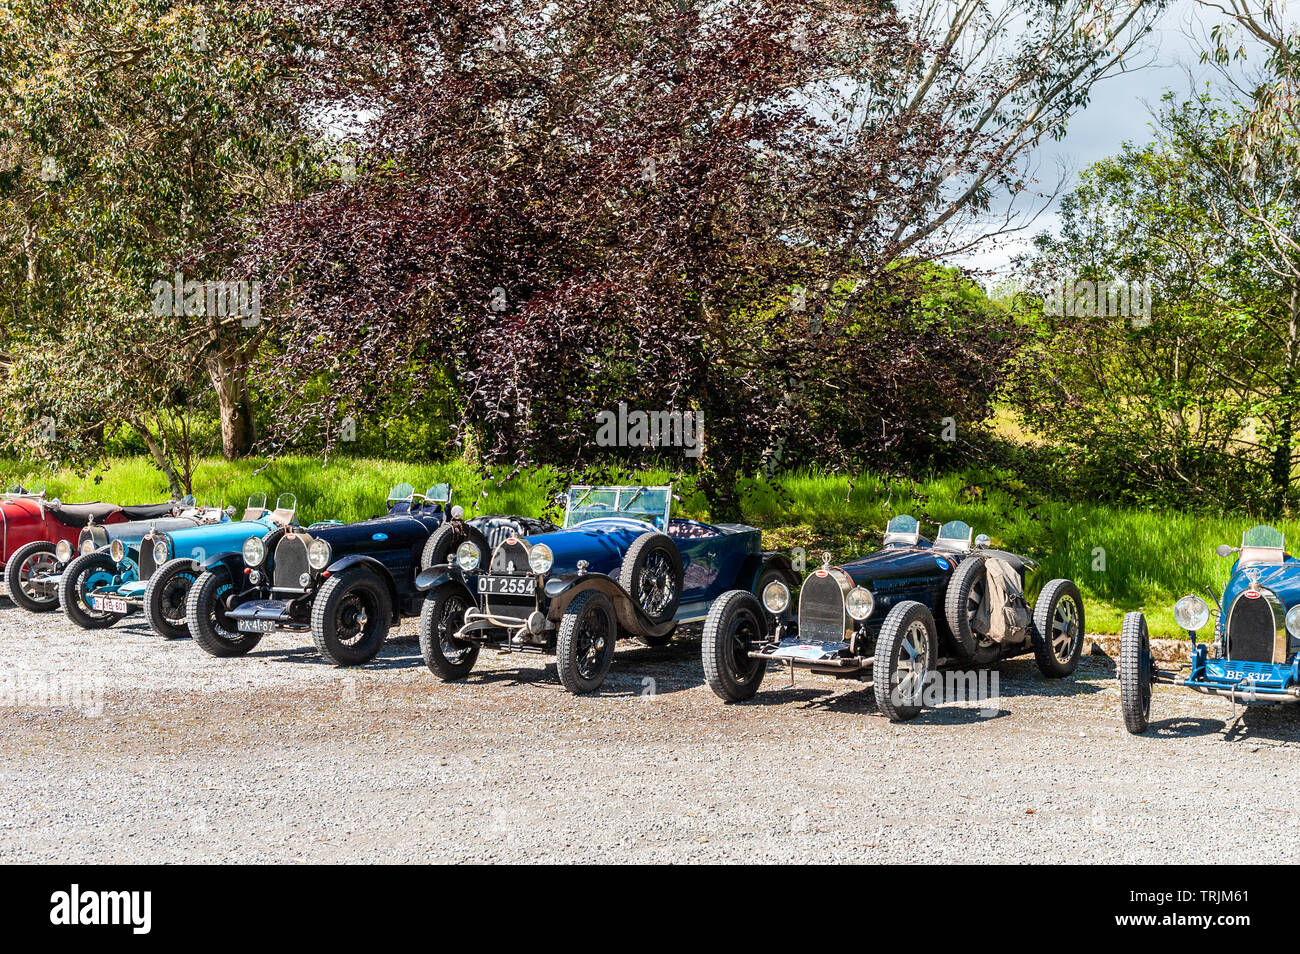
(1120, 110)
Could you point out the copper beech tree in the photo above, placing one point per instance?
(725, 207)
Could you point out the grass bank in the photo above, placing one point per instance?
(1122, 559)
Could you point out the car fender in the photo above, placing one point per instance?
(233, 562)
(561, 591)
(374, 566)
(436, 576)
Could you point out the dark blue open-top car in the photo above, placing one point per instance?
(892, 617)
(621, 566)
(1254, 658)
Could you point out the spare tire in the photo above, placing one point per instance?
(967, 589)
(652, 575)
(440, 548)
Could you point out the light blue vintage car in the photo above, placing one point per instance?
(154, 570)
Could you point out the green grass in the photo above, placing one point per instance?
(1122, 559)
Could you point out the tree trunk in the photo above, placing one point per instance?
(229, 376)
(179, 488)
(1281, 470)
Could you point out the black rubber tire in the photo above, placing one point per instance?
(1135, 671)
(27, 554)
(659, 550)
(735, 621)
(440, 548)
(965, 583)
(361, 584)
(70, 590)
(587, 607)
(889, 646)
(167, 596)
(1053, 595)
(205, 615)
(441, 615)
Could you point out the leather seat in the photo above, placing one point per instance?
(148, 511)
(79, 514)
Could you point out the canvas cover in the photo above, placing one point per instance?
(1003, 613)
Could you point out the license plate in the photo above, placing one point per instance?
(254, 625)
(109, 604)
(506, 585)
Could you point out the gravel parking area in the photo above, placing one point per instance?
(118, 746)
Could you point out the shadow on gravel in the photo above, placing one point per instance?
(1279, 724)
(1184, 727)
(387, 658)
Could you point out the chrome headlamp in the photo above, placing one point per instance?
(254, 551)
(776, 597)
(467, 557)
(540, 558)
(318, 554)
(1191, 613)
(63, 551)
(87, 546)
(860, 603)
(161, 551)
(1293, 621)
(117, 550)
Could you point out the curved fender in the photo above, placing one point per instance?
(756, 563)
(561, 591)
(234, 562)
(370, 563)
(436, 576)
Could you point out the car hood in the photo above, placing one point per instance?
(601, 543)
(898, 562)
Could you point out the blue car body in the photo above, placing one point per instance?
(1254, 658)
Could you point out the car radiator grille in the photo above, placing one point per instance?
(510, 558)
(147, 566)
(821, 609)
(290, 562)
(1251, 631)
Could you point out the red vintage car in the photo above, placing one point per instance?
(38, 536)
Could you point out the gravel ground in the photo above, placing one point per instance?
(120, 747)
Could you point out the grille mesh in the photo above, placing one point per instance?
(515, 607)
(290, 562)
(821, 609)
(147, 565)
(1250, 630)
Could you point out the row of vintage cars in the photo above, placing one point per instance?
(620, 565)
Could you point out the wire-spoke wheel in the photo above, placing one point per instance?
(441, 617)
(905, 657)
(584, 645)
(734, 628)
(167, 595)
(652, 575)
(82, 578)
(26, 576)
(1058, 629)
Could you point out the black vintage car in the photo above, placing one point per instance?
(346, 583)
(894, 616)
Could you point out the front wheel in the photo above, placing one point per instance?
(735, 627)
(26, 566)
(441, 616)
(350, 617)
(905, 653)
(584, 645)
(166, 595)
(205, 614)
(1136, 673)
(1058, 629)
(84, 575)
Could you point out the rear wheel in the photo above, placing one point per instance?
(166, 596)
(736, 625)
(1136, 672)
(205, 614)
(651, 574)
(25, 565)
(1058, 629)
(584, 645)
(440, 617)
(84, 575)
(350, 617)
(905, 654)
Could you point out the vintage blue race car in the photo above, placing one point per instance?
(621, 566)
(346, 584)
(96, 588)
(1254, 658)
(893, 617)
(171, 560)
